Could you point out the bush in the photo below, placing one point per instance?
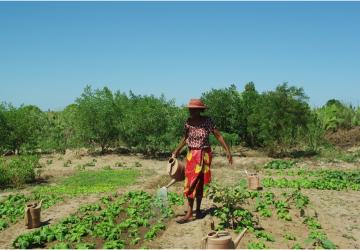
(152, 124)
(283, 115)
(335, 115)
(230, 139)
(18, 170)
(224, 107)
(23, 127)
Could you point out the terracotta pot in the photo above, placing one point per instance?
(33, 215)
(254, 182)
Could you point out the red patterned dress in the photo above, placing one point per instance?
(198, 159)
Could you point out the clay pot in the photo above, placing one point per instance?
(33, 215)
(254, 182)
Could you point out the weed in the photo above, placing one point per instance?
(289, 237)
(67, 163)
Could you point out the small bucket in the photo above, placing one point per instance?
(253, 182)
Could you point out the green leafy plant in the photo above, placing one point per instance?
(67, 163)
(261, 234)
(280, 164)
(62, 245)
(229, 210)
(256, 245)
(83, 245)
(289, 237)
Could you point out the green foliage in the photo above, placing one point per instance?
(120, 221)
(18, 170)
(229, 201)
(261, 234)
(61, 245)
(256, 245)
(230, 139)
(114, 244)
(151, 234)
(279, 120)
(283, 116)
(175, 199)
(312, 223)
(12, 207)
(249, 126)
(53, 137)
(152, 125)
(85, 246)
(98, 117)
(224, 107)
(289, 237)
(297, 246)
(326, 179)
(335, 115)
(86, 182)
(318, 238)
(22, 127)
(280, 164)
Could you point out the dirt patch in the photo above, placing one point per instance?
(338, 213)
(345, 137)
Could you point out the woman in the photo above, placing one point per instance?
(199, 156)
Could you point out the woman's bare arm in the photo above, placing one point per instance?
(179, 147)
(220, 138)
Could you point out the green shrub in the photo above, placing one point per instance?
(230, 139)
(335, 114)
(18, 170)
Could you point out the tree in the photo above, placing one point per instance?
(283, 115)
(152, 124)
(4, 129)
(97, 117)
(250, 99)
(24, 127)
(224, 107)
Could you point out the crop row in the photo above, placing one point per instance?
(12, 208)
(116, 222)
(317, 183)
(82, 183)
(230, 211)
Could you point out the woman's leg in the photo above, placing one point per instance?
(189, 214)
(190, 208)
(198, 204)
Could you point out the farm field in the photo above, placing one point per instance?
(83, 210)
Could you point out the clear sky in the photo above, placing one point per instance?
(49, 51)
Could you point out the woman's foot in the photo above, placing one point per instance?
(185, 219)
(199, 214)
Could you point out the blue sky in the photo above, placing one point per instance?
(49, 51)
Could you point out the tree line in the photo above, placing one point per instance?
(277, 120)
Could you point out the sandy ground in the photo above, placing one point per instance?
(338, 211)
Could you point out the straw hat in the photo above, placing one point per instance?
(196, 104)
